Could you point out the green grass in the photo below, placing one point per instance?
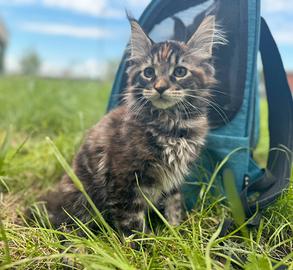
(32, 110)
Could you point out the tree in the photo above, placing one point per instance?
(30, 63)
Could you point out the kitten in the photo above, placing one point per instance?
(153, 137)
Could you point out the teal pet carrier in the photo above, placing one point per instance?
(235, 119)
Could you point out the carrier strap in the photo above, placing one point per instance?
(280, 107)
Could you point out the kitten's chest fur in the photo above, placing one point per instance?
(179, 146)
(177, 154)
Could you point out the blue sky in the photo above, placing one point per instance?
(79, 37)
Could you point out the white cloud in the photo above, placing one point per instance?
(284, 37)
(89, 68)
(137, 3)
(12, 64)
(281, 28)
(65, 30)
(51, 69)
(273, 6)
(18, 2)
(99, 8)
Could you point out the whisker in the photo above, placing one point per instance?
(134, 108)
(139, 88)
(210, 90)
(214, 105)
(181, 105)
(141, 108)
(196, 109)
(191, 113)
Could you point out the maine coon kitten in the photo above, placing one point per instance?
(153, 137)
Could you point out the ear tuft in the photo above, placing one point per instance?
(205, 37)
(140, 43)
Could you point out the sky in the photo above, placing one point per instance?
(79, 37)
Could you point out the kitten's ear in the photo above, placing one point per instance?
(140, 43)
(206, 35)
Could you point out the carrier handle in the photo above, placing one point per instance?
(280, 105)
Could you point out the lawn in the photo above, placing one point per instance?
(39, 114)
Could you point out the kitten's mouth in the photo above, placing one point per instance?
(162, 102)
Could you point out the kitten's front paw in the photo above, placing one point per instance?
(131, 242)
(173, 209)
(174, 218)
(136, 240)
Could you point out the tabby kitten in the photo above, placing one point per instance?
(153, 137)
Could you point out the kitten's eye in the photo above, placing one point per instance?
(149, 72)
(180, 72)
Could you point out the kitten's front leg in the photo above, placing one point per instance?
(128, 213)
(129, 220)
(173, 209)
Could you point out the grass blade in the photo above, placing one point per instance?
(4, 147)
(234, 200)
(7, 259)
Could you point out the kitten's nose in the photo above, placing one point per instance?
(161, 86)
